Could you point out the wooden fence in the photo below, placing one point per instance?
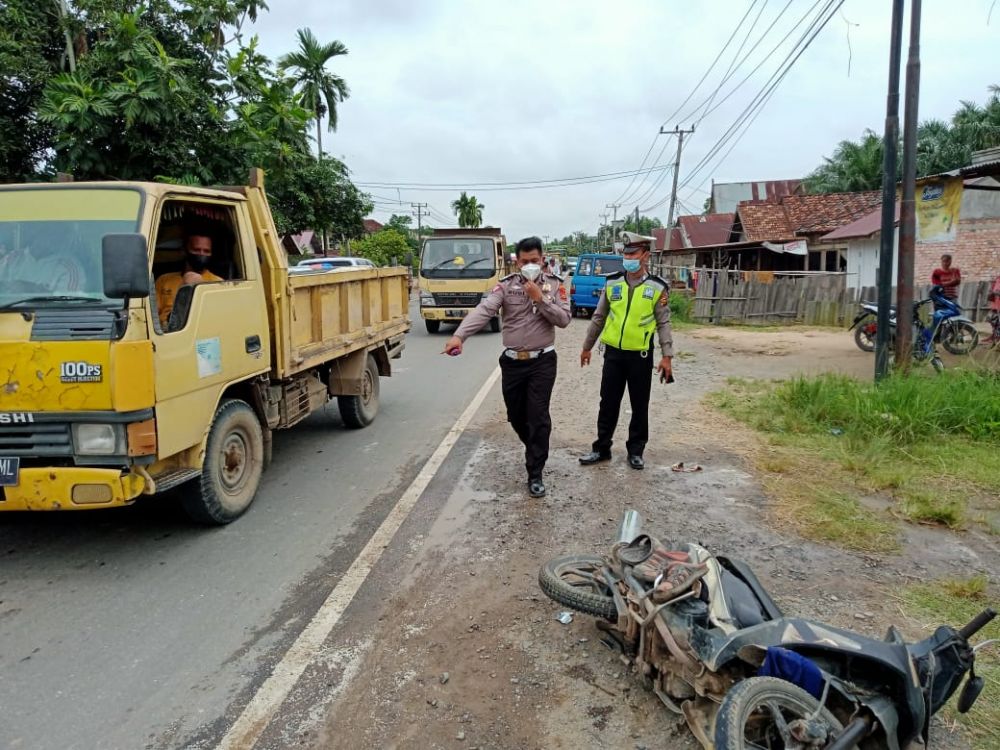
(760, 297)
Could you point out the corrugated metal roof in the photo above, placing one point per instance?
(706, 229)
(866, 226)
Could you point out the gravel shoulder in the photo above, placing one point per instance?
(466, 651)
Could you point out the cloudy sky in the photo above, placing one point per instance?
(471, 92)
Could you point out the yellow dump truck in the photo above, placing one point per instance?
(103, 398)
(458, 267)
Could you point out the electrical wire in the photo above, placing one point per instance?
(745, 118)
(628, 193)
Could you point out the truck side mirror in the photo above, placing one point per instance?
(125, 261)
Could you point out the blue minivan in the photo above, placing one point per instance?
(591, 273)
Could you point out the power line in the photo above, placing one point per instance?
(772, 83)
(515, 184)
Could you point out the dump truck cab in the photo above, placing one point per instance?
(458, 267)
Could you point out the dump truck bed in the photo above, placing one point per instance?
(335, 313)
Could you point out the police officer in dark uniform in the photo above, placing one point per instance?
(534, 304)
(633, 306)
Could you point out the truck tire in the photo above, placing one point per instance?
(234, 462)
(360, 411)
(495, 324)
(433, 326)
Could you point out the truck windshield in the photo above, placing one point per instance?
(458, 259)
(50, 243)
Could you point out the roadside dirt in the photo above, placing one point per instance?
(469, 653)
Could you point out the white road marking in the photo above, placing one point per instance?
(258, 713)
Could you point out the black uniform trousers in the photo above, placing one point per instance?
(527, 390)
(624, 369)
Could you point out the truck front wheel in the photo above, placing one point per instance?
(234, 462)
(433, 326)
(360, 411)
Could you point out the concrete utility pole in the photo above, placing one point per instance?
(614, 217)
(908, 209)
(604, 222)
(420, 208)
(637, 220)
(680, 133)
(903, 322)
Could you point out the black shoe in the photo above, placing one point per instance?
(536, 487)
(636, 462)
(594, 457)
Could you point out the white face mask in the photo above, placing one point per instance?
(531, 271)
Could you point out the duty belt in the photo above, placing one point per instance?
(534, 354)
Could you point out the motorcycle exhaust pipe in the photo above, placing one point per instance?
(853, 733)
(630, 526)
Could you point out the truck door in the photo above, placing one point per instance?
(221, 336)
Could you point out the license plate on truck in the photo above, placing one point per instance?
(9, 470)
(456, 313)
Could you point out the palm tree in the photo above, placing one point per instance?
(853, 166)
(469, 211)
(320, 89)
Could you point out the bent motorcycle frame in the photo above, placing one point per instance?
(691, 668)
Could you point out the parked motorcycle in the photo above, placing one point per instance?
(951, 327)
(710, 642)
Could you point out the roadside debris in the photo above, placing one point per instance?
(565, 617)
(679, 466)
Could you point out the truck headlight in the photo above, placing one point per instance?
(426, 300)
(99, 440)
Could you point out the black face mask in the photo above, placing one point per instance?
(197, 263)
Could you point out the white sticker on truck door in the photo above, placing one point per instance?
(209, 357)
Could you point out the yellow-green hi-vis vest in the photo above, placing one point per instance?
(631, 320)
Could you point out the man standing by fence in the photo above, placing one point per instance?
(633, 306)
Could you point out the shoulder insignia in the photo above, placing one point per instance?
(508, 278)
(615, 275)
(658, 280)
(497, 288)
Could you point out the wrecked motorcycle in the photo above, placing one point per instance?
(710, 642)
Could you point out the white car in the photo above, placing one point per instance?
(339, 263)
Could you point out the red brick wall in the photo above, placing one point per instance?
(976, 251)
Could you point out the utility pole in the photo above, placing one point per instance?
(680, 133)
(637, 219)
(903, 322)
(614, 218)
(908, 209)
(420, 208)
(604, 222)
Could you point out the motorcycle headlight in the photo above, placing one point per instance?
(99, 440)
(426, 300)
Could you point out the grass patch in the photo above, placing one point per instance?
(931, 443)
(680, 308)
(954, 602)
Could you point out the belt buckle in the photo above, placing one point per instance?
(524, 355)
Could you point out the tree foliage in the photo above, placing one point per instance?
(167, 90)
(320, 89)
(645, 226)
(941, 147)
(469, 211)
(385, 247)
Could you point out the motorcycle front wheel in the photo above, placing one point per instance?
(575, 582)
(960, 338)
(765, 712)
(864, 334)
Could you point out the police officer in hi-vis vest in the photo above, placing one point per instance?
(633, 306)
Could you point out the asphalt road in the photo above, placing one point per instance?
(133, 628)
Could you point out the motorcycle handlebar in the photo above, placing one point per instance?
(979, 622)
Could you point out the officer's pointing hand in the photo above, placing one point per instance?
(584, 358)
(665, 368)
(453, 346)
(533, 291)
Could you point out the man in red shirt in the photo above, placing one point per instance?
(947, 277)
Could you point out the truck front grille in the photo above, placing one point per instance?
(35, 440)
(461, 299)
